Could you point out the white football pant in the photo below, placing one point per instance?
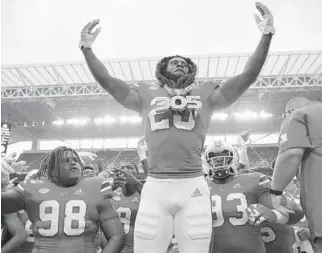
(180, 207)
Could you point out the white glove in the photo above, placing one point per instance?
(266, 25)
(87, 36)
(141, 149)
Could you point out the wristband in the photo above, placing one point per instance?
(281, 218)
(142, 155)
(277, 193)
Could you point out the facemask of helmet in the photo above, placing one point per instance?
(221, 159)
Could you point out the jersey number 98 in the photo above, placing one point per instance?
(74, 221)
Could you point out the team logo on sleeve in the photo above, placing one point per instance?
(43, 191)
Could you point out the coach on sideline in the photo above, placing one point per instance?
(300, 153)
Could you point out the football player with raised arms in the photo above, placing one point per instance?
(176, 113)
(66, 210)
(240, 202)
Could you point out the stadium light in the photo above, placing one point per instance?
(265, 115)
(78, 121)
(220, 116)
(130, 119)
(106, 120)
(246, 115)
(58, 122)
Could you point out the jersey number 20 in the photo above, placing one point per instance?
(74, 221)
(159, 117)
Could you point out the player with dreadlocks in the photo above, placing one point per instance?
(64, 209)
(176, 113)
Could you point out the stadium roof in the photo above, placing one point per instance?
(33, 96)
(135, 70)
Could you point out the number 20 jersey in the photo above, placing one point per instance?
(127, 208)
(175, 141)
(231, 231)
(64, 219)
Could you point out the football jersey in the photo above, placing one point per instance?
(127, 208)
(303, 130)
(231, 231)
(175, 140)
(64, 219)
(278, 237)
(28, 245)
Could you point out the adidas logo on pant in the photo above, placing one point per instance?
(196, 193)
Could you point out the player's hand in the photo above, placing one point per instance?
(266, 24)
(281, 204)
(257, 213)
(142, 149)
(6, 169)
(87, 36)
(303, 234)
(245, 134)
(127, 175)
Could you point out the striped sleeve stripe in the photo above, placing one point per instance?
(20, 187)
(106, 185)
(264, 180)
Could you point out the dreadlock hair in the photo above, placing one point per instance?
(184, 81)
(51, 164)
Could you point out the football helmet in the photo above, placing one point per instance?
(221, 159)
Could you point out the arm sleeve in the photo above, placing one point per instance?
(296, 133)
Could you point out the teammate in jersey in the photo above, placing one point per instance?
(231, 195)
(176, 113)
(66, 211)
(301, 144)
(127, 202)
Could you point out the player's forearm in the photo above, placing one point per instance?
(256, 61)
(14, 244)
(237, 85)
(115, 244)
(117, 88)
(285, 169)
(138, 186)
(17, 231)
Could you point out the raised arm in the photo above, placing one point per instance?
(124, 94)
(233, 88)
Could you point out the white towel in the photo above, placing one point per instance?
(305, 246)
